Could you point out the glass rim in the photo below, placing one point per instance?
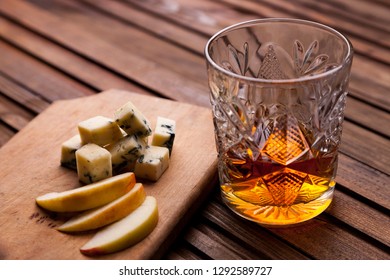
(346, 59)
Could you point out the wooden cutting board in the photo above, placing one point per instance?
(29, 167)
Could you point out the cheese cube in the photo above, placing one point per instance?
(164, 133)
(93, 163)
(68, 152)
(152, 164)
(131, 120)
(126, 151)
(99, 130)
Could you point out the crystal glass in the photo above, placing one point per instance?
(278, 91)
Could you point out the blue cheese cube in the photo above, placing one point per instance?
(99, 130)
(93, 163)
(126, 151)
(68, 152)
(131, 120)
(164, 133)
(152, 164)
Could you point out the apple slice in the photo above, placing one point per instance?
(125, 232)
(89, 196)
(107, 214)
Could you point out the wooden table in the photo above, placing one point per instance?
(62, 49)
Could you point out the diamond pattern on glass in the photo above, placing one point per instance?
(277, 140)
(274, 58)
(284, 185)
(286, 142)
(270, 68)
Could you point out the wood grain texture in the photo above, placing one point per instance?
(368, 116)
(64, 60)
(361, 216)
(362, 144)
(55, 49)
(142, 70)
(202, 16)
(23, 96)
(249, 234)
(30, 167)
(361, 84)
(13, 115)
(325, 240)
(167, 30)
(218, 246)
(25, 69)
(375, 35)
(363, 180)
(5, 134)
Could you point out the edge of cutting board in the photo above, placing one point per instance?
(28, 232)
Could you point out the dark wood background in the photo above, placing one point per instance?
(62, 49)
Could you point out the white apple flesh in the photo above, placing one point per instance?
(107, 214)
(125, 232)
(89, 196)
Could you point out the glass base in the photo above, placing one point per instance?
(271, 215)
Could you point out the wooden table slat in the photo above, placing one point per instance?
(5, 133)
(360, 30)
(168, 30)
(373, 17)
(361, 216)
(216, 245)
(140, 70)
(167, 55)
(364, 181)
(368, 116)
(359, 81)
(314, 237)
(325, 240)
(20, 94)
(13, 115)
(253, 236)
(64, 60)
(362, 145)
(367, 93)
(202, 16)
(61, 49)
(182, 253)
(30, 72)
